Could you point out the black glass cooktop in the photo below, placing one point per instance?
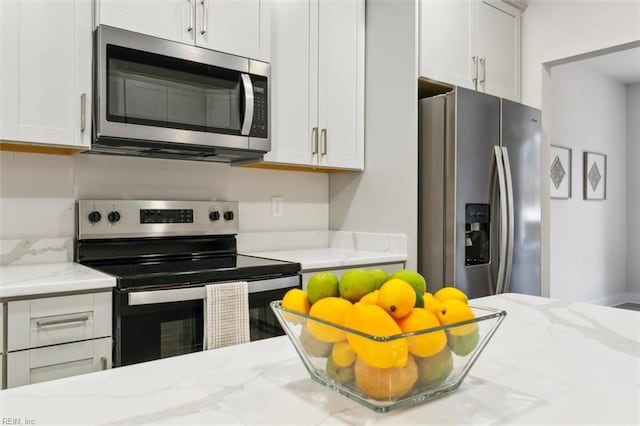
(171, 273)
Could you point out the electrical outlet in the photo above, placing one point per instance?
(277, 206)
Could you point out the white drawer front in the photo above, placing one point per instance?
(55, 362)
(52, 320)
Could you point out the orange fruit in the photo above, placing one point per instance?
(295, 300)
(374, 321)
(371, 298)
(446, 293)
(431, 303)
(333, 310)
(385, 383)
(397, 297)
(426, 344)
(453, 311)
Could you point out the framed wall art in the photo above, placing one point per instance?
(594, 178)
(560, 172)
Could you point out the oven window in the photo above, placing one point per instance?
(262, 321)
(160, 330)
(155, 90)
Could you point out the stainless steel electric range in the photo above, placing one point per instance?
(162, 254)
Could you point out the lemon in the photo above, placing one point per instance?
(321, 285)
(371, 297)
(378, 276)
(446, 293)
(375, 321)
(397, 297)
(295, 300)
(426, 344)
(343, 355)
(453, 311)
(333, 310)
(416, 280)
(355, 283)
(431, 303)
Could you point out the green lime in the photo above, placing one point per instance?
(379, 277)
(416, 280)
(321, 285)
(355, 283)
(419, 300)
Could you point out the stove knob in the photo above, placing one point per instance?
(94, 217)
(214, 215)
(228, 215)
(113, 216)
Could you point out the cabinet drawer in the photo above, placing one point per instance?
(56, 362)
(52, 320)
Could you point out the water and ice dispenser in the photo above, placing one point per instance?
(477, 234)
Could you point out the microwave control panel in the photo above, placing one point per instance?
(259, 128)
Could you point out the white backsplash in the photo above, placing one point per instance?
(36, 250)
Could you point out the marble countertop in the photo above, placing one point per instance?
(550, 362)
(45, 278)
(312, 259)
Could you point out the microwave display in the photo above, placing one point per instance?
(154, 90)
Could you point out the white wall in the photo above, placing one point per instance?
(384, 197)
(37, 191)
(633, 190)
(555, 29)
(588, 238)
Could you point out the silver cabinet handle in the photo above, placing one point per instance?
(190, 12)
(83, 112)
(314, 137)
(248, 104)
(204, 16)
(475, 75)
(323, 138)
(103, 362)
(483, 62)
(47, 323)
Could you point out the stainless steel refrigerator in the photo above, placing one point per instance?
(479, 194)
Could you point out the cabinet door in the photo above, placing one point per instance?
(499, 47)
(46, 71)
(446, 46)
(341, 83)
(168, 19)
(240, 27)
(58, 361)
(293, 69)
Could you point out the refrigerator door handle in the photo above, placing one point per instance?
(510, 221)
(503, 219)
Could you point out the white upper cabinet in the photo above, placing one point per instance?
(46, 72)
(317, 82)
(473, 44)
(239, 27)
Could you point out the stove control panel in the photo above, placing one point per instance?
(153, 218)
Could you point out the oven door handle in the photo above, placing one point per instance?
(195, 293)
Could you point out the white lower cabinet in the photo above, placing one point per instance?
(388, 267)
(59, 336)
(55, 362)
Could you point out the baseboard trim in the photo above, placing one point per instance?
(616, 299)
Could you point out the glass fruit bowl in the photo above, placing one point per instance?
(357, 366)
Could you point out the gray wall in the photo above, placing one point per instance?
(588, 238)
(633, 190)
(384, 197)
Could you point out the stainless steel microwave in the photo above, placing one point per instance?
(164, 99)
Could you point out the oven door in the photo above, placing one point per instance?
(154, 324)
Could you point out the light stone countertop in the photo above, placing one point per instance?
(329, 258)
(45, 278)
(550, 362)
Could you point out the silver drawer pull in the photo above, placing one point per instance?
(47, 323)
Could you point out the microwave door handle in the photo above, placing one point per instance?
(248, 104)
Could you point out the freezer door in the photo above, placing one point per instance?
(477, 118)
(522, 138)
